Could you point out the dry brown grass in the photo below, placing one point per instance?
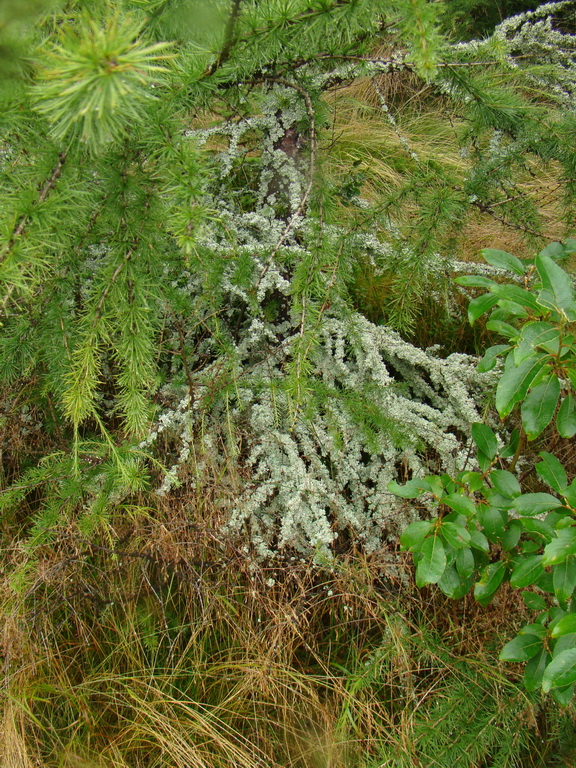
(15, 745)
(362, 138)
(170, 647)
(485, 231)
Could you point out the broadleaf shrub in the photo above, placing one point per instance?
(490, 529)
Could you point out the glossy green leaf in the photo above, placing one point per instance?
(560, 518)
(505, 483)
(511, 535)
(483, 461)
(504, 329)
(563, 695)
(503, 260)
(492, 521)
(556, 281)
(534, 629)
(450, 581)
(433, 562)
(512, 446)
(564, 642)
(534, 670)
(534, 601)
(448, 483)
(553, 250)
(534, 334)
(566, 625)
(455, 535)
(569, 493)
(556, 613)
(466, 585)
(545, 583)
(465, 564)
(522, 648)
(490, 358)
(561, 671)
(516, 294)
(410, 490)
(459, 503)
(452, 585)
(552, 471)
(456, 518)
(536, 503)
(527, 572)
(474, 281)
(564, 578)
(435, 485)
(529, 546)
(561, 547)
(515, 382)
(541, 527)
(547, 301)
(480, 305)
(539, 406)
(415, 533)
(485, 440)
(513, 308)
(566, 418)
(474, 480)
(490, 579)
(496, 499)
(479, 541)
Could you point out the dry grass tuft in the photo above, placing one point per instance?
(15, 745)
(169, 647)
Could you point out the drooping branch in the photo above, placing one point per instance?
(24, 220)
(45, 190)
(229, 39)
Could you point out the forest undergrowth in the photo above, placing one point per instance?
(167, 599)
(167, 647)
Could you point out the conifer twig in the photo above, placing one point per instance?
(44, 192)
(21, 226)
(183, 357)
(106, 291)
(304, 16)
(229, 40)
(487, 208)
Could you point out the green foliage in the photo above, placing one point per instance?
(175, 237)
(96, 79)
(110, 208)
(538, 322)
(16, 19)
(417, 20)
(476, 18)
(488, 529)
